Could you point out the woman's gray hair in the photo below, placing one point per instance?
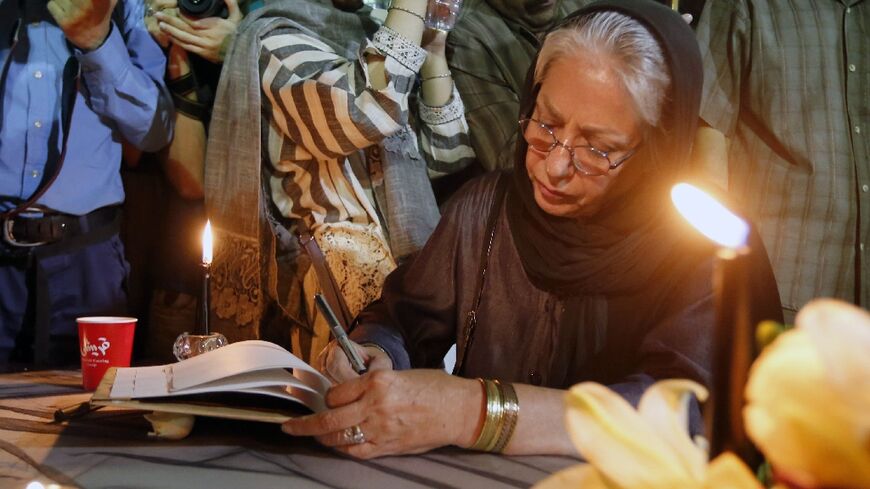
(630, 49)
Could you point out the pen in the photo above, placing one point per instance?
(340, 336)
(75, 411)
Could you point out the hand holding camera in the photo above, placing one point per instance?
(195, 30)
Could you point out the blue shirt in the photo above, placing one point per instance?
(121, 96)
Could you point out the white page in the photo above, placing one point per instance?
(139, 382)
(241, 357)
(262, 378)
(222, 366)
(149, 382)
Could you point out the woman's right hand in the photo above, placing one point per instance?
(334, 364)
(396, 412)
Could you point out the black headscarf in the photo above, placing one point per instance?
(621, 247)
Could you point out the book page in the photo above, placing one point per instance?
(141, 381)
(241, 357)
(232, 367)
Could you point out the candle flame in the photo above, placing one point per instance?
(675, 5)
(207, 244)
(710, 217)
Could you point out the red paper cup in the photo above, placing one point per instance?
(104, 341)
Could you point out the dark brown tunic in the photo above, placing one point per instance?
(528, 335)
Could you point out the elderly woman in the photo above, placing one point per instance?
(574, 269)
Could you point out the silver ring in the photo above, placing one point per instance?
(354, 435)
(149, 11)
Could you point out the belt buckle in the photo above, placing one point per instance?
(9, 237)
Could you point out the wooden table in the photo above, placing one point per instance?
(111, 449)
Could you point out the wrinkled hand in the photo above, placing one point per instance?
(208, 37)
(85, 23)
(398, 412)
(334, 364)
(434, 41)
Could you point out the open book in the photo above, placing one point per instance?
(251, 380)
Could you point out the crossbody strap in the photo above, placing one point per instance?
(327, 282)
(463, 346)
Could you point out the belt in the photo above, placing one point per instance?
(27, 232)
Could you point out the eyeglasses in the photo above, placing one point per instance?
(586, 159)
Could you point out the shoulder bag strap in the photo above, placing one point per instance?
(327, 282)
(463, 346)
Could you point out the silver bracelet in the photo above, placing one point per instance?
(435, 77)
(415, 14)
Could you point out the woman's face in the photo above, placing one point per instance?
(584, 104)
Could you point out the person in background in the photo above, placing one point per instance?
(573, 267)
(165, 205)
(786, 91)
(489, 52)
(341, 165)
(77, 78)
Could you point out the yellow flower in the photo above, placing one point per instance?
(808, 398)
(647, 448)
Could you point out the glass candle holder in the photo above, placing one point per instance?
(190, 345)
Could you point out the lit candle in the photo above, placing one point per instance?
(206, 276)
(675, 5)
(733, 337)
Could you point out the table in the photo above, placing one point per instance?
(110, 449)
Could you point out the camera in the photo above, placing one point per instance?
(203, 8)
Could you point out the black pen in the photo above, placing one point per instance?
(77, 410)
(340, 335)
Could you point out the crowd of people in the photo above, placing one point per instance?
(500, 186)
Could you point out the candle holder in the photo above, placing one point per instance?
(190, 345)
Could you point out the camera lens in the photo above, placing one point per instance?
(203, 8)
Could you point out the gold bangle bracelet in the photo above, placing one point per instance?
(493, 415)
(488, 432)
(480, 437)
(499, 428)
(511, 410)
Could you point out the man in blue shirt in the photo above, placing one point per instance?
(78, 77)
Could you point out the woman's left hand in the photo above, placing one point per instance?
(397, 412)
(208, 37)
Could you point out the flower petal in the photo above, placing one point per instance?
(808, 429)
(665, 406)
(170, 426)
(840, 333)
(729, 472)
(613, 437)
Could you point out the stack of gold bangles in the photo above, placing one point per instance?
(502, 410)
